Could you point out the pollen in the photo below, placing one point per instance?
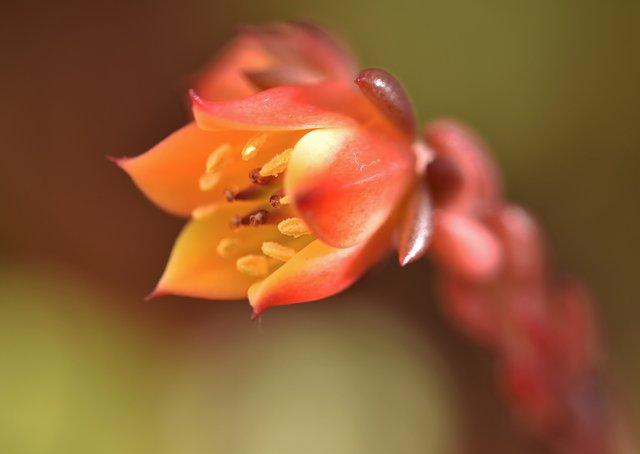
(253, 265)
(285, 200)
(227, 246)
(254, 144)
(217, 157)
(208, 181)
(294, 227)
(278, 251)
(277, 165)
(203, 211)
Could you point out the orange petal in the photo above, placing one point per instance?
(168, 173)
(287, 107)
(346, 182)
(318, 271)
(465, 247)
(195, 267)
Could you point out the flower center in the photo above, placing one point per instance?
(264, 191)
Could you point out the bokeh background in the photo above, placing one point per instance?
(87, 366)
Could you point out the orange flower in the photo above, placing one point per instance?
(293, 176)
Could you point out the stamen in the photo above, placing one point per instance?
(278, 251)
(256, 178)
(277, 165)
(285, 200)
(203, 211)
(275, 198)
(208, 181)
(250, 150)
(254, 219)
(253, 265)
(294, 227)
(258, 218)
(250, 193)
(227, 246)
(217, 157)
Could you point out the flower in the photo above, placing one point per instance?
(295, 178)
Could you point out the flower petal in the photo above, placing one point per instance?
(168, 173)
(266, 49)
(287, 107)
(389, 97)
(472, 306)
(465, 247)
(318, 271)
(345, 182)
(224, 78)
(480, 186)
(196, 269)
(416, 227)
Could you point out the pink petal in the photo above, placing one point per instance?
(346, 182)
(416, 227)
(288, 107)
(465, 247)
(480, 184)
(318, 271)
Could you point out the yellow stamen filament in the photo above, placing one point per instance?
(277, 165)
(203, 211)
(278, 251)
(250, 150)
(227, 246)
(208, 181)
(285, 200)
(253, 265)
(294, 227)
(217, 157)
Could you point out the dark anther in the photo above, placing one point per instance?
(254, 219)
(274, 200)
(258, 218)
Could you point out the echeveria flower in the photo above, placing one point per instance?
(296, 174)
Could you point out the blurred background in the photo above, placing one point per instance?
(87, 366)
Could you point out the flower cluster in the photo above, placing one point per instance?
(298, 174)
(495, 283)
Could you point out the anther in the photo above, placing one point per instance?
(278, 251)
(275, 198)
(208, 181)
(250, 193)
(256, 178)
(250, 150)
(258, 218)
(253, 265)
(294, 227)
(217, 157)
(277, 165)
(254, 219)
(227, 246)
